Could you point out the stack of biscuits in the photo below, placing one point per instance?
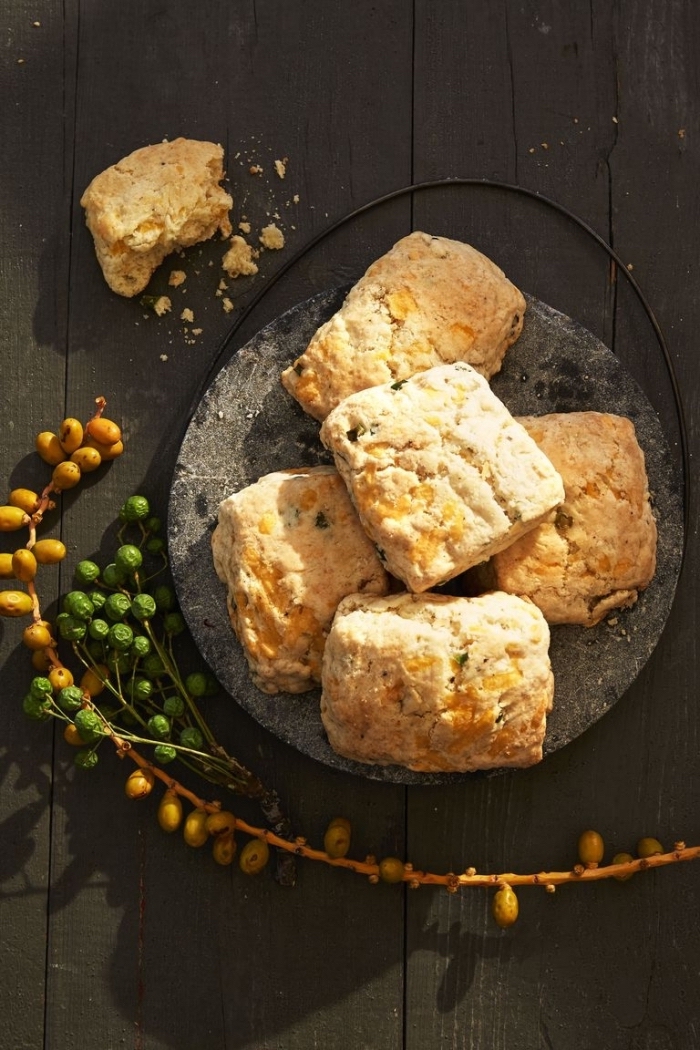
(333, 573)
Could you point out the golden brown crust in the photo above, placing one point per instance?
(600, 549)
(437, 684)
(158, 199)
(288, 549)
(428, 301)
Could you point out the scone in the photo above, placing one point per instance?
(600, 549)
(437, 684)
(428, 301)
(288, 548)
(440, 472)
(156, 200)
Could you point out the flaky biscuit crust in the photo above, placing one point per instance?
(440, 472)
(288, 548)
(599, 552)
(438, 684)
(158, 199)
(428, 301)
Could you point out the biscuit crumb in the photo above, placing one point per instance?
(238, 260)
(187, 315)
(281, 167)
(162, 305)
(227, 305)
(272, 237)
(164, 357)
(295, 198)
(244, 227)
(177, 277)
(255, 169)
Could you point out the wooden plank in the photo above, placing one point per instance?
(32, 366)
(258, 963)
(557, 980)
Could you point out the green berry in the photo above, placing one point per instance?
(117, 607)
(86, 572)
(154, 524)
(40, 687)
(128, 558)
(88, 724)
(113, 576)
(143, 607)
(141, 646)
(98, 629)
(192, 738)
(196, 684)
(174, 706)
(70, 698)
(159, 726)
(78, 605)
(136, 508)
(120, 636)
(153, 666)
(156, 545)
(98, 598)
(86, 759)
(164, 753)
(140, 689)
(96, 650)
(118, 662)
(173, 623)
(36, 708)
(164, 598)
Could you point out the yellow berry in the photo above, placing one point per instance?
(12, 518)
(70, 434)
(49, 448)
(391, 869)
(37, 636)
(40, 661)
(104, 431)
(195, 830)
(648, 847)
(504, 906)
(60, 677)
(72, 736)
(49, 552)
(66, 475)
(15, 603)
(24, 565)
(590, 847)
(24, 498)
(139, 783)
(106, 452)
(94, 681)
(224, 848)
(6, 572)
(336, 841)
(170, 811)
(221, 822)
(623, 858)
(88, 459)
(254, 856)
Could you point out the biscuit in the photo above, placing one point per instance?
(437, 683)
(288, 548)
(599, 552)
(156, 200)
(428, 301)
(440, 472)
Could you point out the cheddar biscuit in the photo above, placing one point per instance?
(288, 548)
(158, 199)
(428, 301)
(440, 472)
(437, 684)
(599, 552)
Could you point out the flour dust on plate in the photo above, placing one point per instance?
(246, 425)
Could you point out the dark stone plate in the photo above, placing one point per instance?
(246, 425)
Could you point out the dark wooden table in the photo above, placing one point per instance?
(114, 934)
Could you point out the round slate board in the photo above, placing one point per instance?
(246, 425)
